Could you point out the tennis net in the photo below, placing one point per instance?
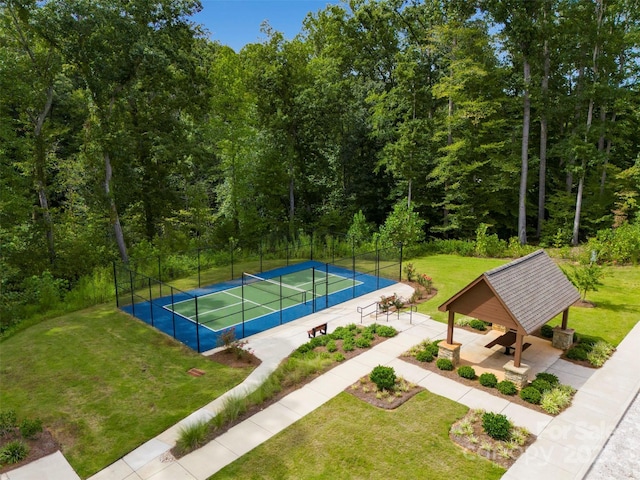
(274, 287)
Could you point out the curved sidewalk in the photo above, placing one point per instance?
(566, 447)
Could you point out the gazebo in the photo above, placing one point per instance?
(521, 296)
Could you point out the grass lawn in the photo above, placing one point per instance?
(617, 301)
(104, 383)
(348, 438)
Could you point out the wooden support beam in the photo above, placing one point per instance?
(518, 353)
(565, 318)
(450, 324)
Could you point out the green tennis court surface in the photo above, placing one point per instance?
(257, 297)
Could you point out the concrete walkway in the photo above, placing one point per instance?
(567, 445)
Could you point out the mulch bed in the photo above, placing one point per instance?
(482, 438)
(366, 390)
(41, 446)
(453, 375)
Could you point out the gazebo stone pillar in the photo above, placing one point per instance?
(562, 338)
(518, 375)
(450, 351)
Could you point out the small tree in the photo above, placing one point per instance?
(360, 230)
(402, 225)
(586, 278)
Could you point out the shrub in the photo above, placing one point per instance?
(541, 385)
(444, 364)
(546, 331)
(348, 344)
(468, 372)
(331, 346)
(13, 452)
(507, 387)
(338, 357)
(8, 421)
(478, 325)
(577, 353)
(386, 331)
(496, 425)
(424, 356)
(599, 353)
(383, 377)
(30, 428)
(410, 272)
(432, 349)
(531, 395)
(555, 400)
(340, 333)
(488, 380)
(192, 436)
(549, 377)
(362, 342)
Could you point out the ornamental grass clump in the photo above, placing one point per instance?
(554, 401)
(600, 352)
(192, 436)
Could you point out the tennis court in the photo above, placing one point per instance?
(259, 296)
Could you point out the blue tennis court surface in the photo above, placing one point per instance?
(252, 305)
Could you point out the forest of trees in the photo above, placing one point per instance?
(123, 126)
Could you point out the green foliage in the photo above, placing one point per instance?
(620, 245)
(13, 452)
(348, 344)
(541, 385)
(548, 377)
(410, 272)
(531, 395)
(444, 364)
(577, 352)
(403, 225)
(8, 422)
(360, 230)
(600, 353)
(555, 400)
(30, 428)
(424, 356)
(546, 331)
(383, 377)
(488, 245)
(362, 342)
(478, 325)
(496, 425)
(467, 371)
(586, 278)
(338, 357)
(192, 436)
(332, 346)
(386, 331)
(507, 387)
(488, 380)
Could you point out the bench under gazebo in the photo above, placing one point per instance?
(520, 296)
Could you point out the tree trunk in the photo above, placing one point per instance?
(113, 210)
(41, 182)
(607, 152)
(542, 177)
(576, 219)
(522, 203)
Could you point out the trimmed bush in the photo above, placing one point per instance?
(424, 356)
(488, 380)
(577, 353)
(444, 364)
(546, 331)
(467, 372)
(383, 377)
(478, 325)
(386, 331)
(541, 385)
(496, 425)
(531, 395)
(507, 387)
(13, 452)
(549, 377)
(30, 428)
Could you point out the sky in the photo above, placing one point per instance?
(237, 22)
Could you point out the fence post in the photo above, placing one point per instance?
(197, 324)
(313, 289)
(377, 265)
(232, 274)
(400, 276)
(242, 295)
(133, 300)
(198, 250)
(151, 303)
(260, 247)
(326, 287)
(173, 314)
